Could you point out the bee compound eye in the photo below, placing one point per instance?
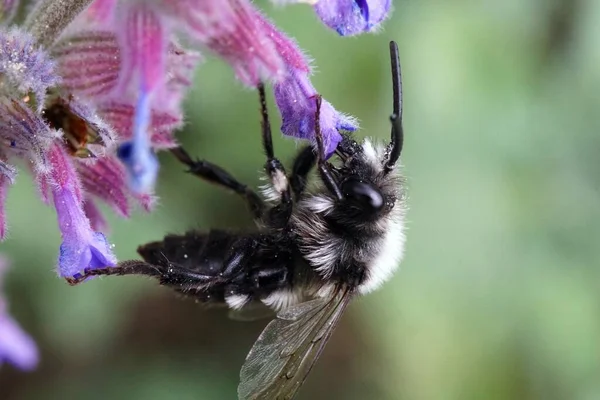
(364, 194)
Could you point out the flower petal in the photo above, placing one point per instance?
(105, 179)
(162, 124)
(230, 28)
(285, 47)
(89, 62)
(93, 213)
(76, 257)
(81, 247)
(144, 43)
(137, 155)
(295, 97)
(180, 66)
(16, 346)
(101, 11)
(352, 17)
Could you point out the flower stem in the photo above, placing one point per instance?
(50, 17)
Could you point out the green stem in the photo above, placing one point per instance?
(50, 17)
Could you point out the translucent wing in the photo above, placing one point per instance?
(251, 312)
(286, 350)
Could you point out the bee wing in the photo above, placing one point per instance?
(251, 312)
(286, 350)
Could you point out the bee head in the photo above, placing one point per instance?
(364, 185)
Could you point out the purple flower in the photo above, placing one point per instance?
(137, 155)
(16, 346)
(93, 89)
(231, 29)
(26, 133)
(352, 17)
(24, 66)
(295, 97)
(81, 248)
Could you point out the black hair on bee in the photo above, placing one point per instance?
(315, 247)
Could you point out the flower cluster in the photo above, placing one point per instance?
(90, 90)
(16, 346)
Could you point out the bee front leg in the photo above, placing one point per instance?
(217, 175)
(280, 214)
(303, 164)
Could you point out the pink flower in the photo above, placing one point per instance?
(93, 89)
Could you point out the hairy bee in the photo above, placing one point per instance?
(313, 251)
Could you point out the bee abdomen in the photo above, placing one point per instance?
(221, 267)
(201, 252)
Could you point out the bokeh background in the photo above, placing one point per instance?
(499, 294)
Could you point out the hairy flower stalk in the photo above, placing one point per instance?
(91, 90)
(50, 18)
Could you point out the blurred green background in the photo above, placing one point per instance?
(498, 296)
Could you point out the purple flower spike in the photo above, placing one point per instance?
(352, 17)
(82, 248)
(25, 66)
(295, 97)
(16, 346)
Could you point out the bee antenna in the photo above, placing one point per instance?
(397, 139)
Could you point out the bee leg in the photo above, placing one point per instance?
(173, 275)
(215, 174)
(133, 267)
(324, 166)
(280, 214)
(303, 164)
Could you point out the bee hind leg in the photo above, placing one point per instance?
(173, 275)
